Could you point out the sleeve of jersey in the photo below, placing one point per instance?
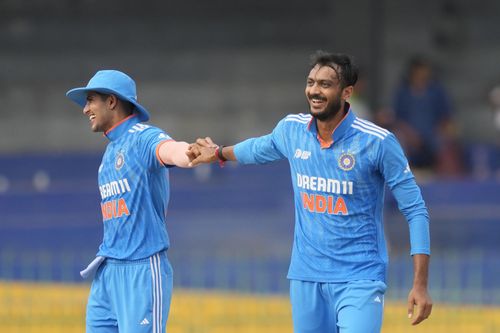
(149, 143)
(264, 149)
(398, 176)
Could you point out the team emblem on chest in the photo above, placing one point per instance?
(346, 161)
(120, 160)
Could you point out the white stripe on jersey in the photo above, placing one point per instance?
(299, 115)
(370, 124)
(298, 121)
(303, 115)
(371, 128)
(368, 131)
(300, 118)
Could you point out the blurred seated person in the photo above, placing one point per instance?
(422, 115)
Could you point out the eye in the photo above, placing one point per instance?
(310, 83)
(325, 85)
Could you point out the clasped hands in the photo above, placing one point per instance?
(202, 151)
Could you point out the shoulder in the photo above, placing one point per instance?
(293, 123)
(370, 131)
(147, 132)
(141, 129)
(298, 120)
(381, 141)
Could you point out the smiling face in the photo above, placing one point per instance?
(99, 110)
(324, 93)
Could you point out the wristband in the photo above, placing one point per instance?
(220, 157)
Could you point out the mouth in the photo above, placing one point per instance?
(92, 117)
(317, 101)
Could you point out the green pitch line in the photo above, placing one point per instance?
(44, 308)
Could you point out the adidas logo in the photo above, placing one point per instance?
(145, 322)
(377, 300)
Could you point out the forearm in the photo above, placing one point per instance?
(259, 150)
(174, 153)
(419, 296)
(251, 151)
(420, 270)
(228, 153)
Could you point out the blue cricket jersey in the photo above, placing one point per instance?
(339, 195)
(134, 188)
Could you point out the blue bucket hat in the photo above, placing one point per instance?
(110, 82)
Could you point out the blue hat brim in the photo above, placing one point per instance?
(79, 96)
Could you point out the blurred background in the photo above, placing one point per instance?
(231, 70)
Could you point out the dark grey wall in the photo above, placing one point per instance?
(224, 68)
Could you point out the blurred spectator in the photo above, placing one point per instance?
(486, 157)
(422, 121)
(484, 151)
(494, 98)
(358, 98)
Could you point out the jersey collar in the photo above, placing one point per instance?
(121, 127)
(338, 132)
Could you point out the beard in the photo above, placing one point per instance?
(329, 112)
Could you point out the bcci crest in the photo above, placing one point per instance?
(120, 160)
(346, 161)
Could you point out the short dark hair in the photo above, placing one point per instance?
(346, 69)
(103, 96)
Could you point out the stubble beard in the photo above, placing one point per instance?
(329, 113)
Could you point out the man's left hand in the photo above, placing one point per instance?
(420, 298)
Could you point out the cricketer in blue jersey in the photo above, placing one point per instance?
(339, 166)
(132, 286)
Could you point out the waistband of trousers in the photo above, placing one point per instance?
(113, 261)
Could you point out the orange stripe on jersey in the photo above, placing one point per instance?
(120, 122)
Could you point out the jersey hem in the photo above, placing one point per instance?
(319, 280)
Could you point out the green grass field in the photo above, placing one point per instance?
(44, 308)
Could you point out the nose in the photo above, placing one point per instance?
(86, 108)
(313, 89)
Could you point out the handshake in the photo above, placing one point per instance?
(206, 151)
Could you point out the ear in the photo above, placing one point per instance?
(112, 102)
(347, 92)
